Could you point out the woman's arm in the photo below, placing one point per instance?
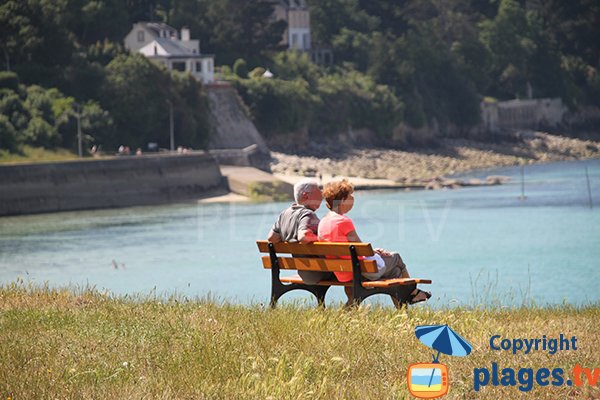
(353, 237)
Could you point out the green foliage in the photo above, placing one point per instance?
(11, 106)
(137, 95)
(192, 121)
(240, 68)
(8, 134)
(330, 104)
(40, 133)
(27, 153)
(9, 80)
(352, 99)
(46, 118)
(104, 51)
(269, 191)
(290, 65)
(256, 73)
(436, 59)
(439, 58)
(277, 106)
(231, 29)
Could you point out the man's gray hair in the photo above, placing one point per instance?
(304, 185)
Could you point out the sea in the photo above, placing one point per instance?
(534, 240)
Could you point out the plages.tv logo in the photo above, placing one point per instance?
(430, 380)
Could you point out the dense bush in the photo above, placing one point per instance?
(138, 95)
(46, 118)
(276, 105)
(9, 80)
(330, 104)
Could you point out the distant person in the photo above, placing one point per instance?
(299, 223)
(138, 151)
(337, 227)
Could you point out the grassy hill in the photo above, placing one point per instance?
(62, 344)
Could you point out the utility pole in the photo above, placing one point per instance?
(79, 141)
(171, 125)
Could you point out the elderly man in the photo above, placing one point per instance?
(299, 223)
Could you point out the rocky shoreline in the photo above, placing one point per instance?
(433, 167)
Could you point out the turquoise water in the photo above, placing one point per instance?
(479, 245)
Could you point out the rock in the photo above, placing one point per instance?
(496, 179)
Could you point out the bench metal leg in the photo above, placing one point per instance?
(399, 294)
(278, 289)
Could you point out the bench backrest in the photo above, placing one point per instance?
(310, 263)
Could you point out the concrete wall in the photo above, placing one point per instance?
(522, 114)
(233, 128)
(117, 182)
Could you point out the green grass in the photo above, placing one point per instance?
(29, 154)
(268, 191)
(85, 344)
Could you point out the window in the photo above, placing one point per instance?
(305, 41)
(294, 41)
(198, 66)
(140, 36)
(210, 66)
(178, 66)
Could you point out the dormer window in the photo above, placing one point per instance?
(140, 36)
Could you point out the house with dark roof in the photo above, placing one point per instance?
(162, 44)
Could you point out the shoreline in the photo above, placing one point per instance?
(451, 157)
(443, 167)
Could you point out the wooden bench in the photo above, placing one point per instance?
(310, 257)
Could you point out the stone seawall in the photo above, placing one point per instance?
(108, 183)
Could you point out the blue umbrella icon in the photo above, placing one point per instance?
(443, 339)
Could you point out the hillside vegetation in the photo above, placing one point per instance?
(421, 63)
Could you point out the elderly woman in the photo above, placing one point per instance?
(337, 227)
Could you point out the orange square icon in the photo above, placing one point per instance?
(427, 380)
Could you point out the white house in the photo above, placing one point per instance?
(161, 43)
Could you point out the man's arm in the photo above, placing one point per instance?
(274, 237)
(307, 236)
(307, 226)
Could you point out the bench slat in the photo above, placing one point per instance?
(317, 248)
(369, 284)
(319, 264)
(298, 279)
(384, 283)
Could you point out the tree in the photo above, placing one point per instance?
(137, 95)
(508, 39)
(231, 29)
(290, 65)
(97, 20)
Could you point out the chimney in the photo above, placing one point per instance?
(185, 34)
